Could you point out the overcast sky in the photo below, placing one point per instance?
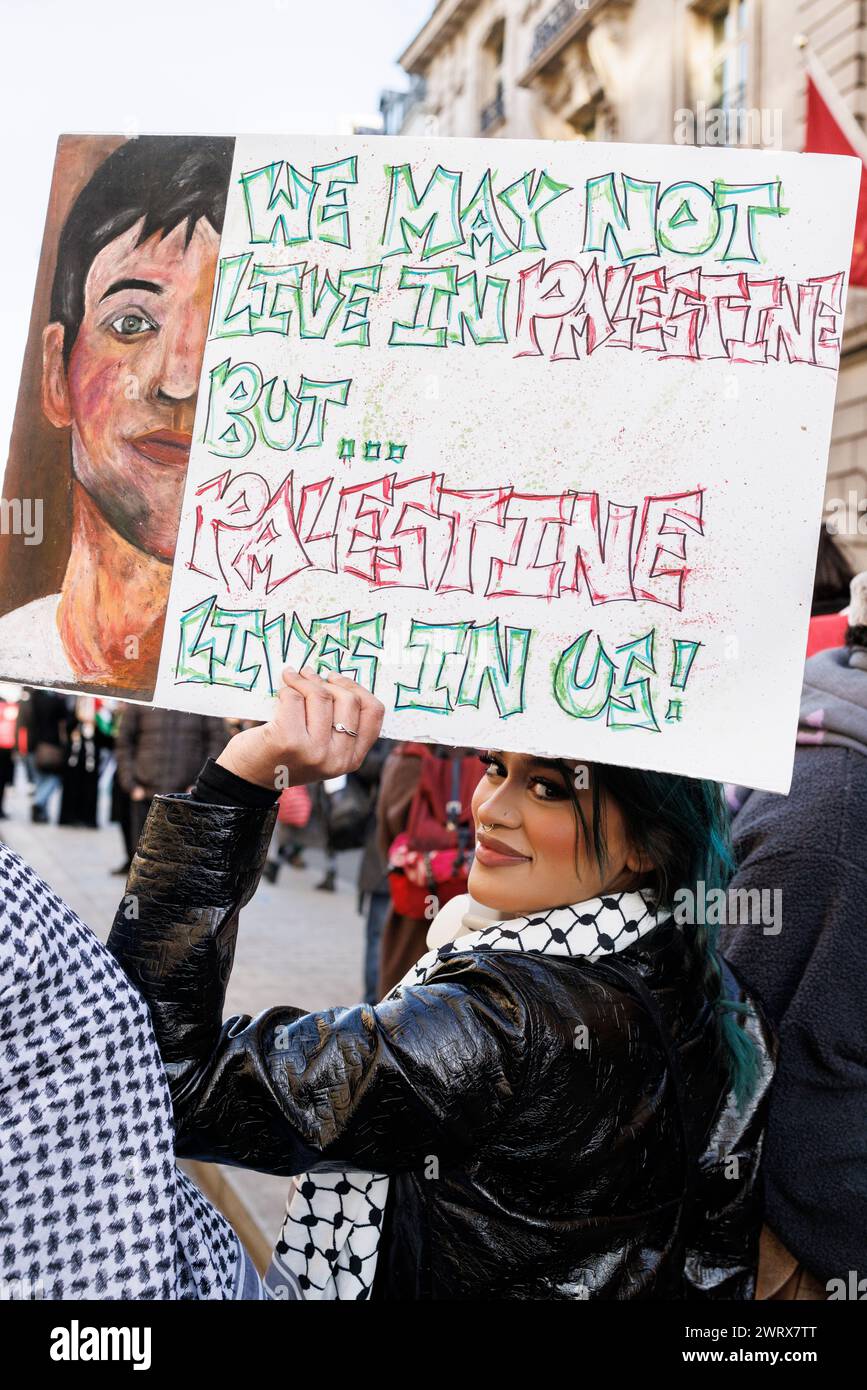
(167, 66)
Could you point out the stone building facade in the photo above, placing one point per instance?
(656, 71)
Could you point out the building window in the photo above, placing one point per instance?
(491, 78)
(730, 52)
(589, 123)
(396, 107)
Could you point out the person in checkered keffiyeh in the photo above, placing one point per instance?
(92, 1204)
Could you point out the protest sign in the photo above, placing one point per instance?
(529, 437)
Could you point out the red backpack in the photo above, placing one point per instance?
(431, 858)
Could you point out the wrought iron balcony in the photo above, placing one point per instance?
(554, 22)
(494, 112)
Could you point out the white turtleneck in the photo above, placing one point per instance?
(460, 916)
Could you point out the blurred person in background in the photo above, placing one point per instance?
(121, 805)
(834, 574)
(25, 746)
(78, 804)
(48, 718)
(345, 805)
(106, 718)
(374, 897)
(9, 707)
(412, 826)
(322, 806)
(160, 751)
(402, 939)
(809, 972)
(293, 815)
(829, 618)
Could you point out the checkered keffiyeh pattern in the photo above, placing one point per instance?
(92, 1205)
(330, 1239)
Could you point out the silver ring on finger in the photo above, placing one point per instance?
(342, 729)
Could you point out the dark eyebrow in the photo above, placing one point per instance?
(132, 285)
(555, 763)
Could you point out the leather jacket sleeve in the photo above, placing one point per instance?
(429, 1072)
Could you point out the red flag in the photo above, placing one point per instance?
(832, 129)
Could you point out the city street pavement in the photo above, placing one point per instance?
(295, 946)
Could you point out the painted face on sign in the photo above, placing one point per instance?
(129, 390)
(530, 850)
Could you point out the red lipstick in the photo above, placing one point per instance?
(165, 446)
(494, 853)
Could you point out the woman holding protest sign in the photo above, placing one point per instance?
(559, 1101)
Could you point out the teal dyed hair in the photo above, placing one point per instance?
(680, 826)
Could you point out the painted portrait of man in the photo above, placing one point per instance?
(121, 357)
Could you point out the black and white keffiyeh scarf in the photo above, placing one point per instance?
(330, 1238)
(92, 1205)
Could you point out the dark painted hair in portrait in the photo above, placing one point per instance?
(164, 179)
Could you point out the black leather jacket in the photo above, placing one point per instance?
(524, 1164)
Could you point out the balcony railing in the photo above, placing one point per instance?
(494, 112)
(554, 22)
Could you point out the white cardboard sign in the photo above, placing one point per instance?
(529, 437)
